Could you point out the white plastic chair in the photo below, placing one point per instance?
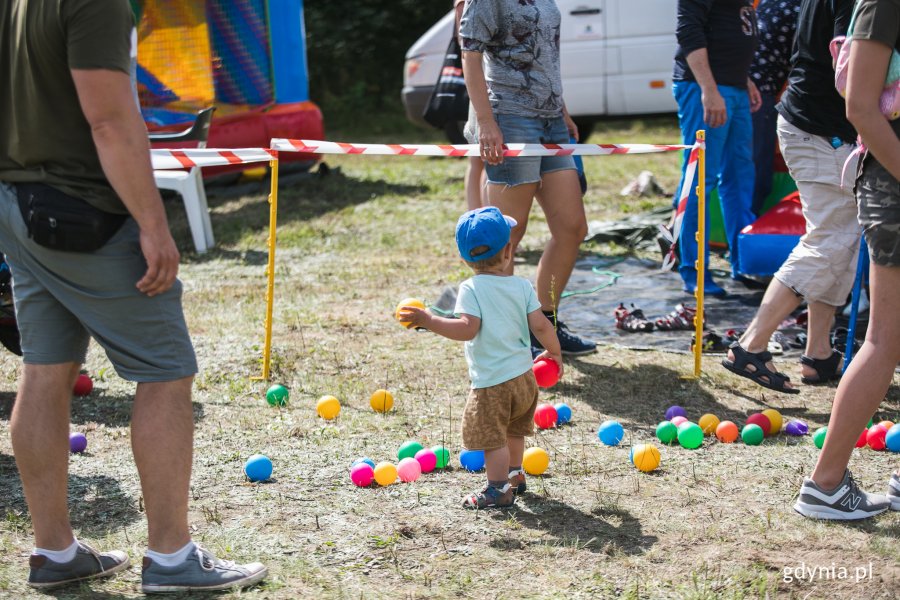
(189, 184)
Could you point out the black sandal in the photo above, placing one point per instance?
(761, 374)
(827, 369)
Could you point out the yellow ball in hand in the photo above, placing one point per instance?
(385, 473)
(381, 401)
(645, 457)
(407, 302)
(535, 461)
(328, 407)
(708, 423)
(775, 419)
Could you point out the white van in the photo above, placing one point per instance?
(616, 60)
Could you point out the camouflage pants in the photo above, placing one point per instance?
(878, 196)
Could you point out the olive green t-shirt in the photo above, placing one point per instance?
(44, 136)
(879, 21)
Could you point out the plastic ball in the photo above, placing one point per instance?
(362, 474)
(563, 413)
(363, 459)
(752, 434)
(381, 401)
(875, 437)
(678, 420)
(760, 420)
(675, 411)
(708, 423)
(870, 423)
(472, 460)
(863, 439)
(796, 427)
(887, 425)
(775, 420)
(611, 433)
(545, 416)
(645, 457)
(727, 432)
(535, 461)
(892, 439)
(277, 395)
(258, 468)
(328, 407)
(408, 449)
(819, 437)
(409, 469)
(442, 455)
(385, 473)
(546, 372)
(427, 459)
(83, 385)
(690, 436)
(407, 302)
(77, 442)
(666, 432)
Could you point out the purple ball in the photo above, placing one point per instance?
(675, 411)
(77, 442)
(796, 427)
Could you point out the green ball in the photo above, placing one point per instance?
(443, 456)
(277, 395)
(819, 437)
(666, 432)
(690, 436)
(408, 450)
(871, 422)
(752, 434)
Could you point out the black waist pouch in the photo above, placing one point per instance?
(62, 222)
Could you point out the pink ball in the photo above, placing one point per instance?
(362, 474)
(678, 420)
(427, 459)
(409, 469)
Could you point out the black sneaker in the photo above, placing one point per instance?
(88, 564)
(846, 503)
(571, 344)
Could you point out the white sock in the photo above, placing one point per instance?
(171, 560)
(60, 556)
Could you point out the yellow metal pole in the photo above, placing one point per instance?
(270, 271)
(701, 249)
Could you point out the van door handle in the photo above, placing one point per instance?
(585, 11)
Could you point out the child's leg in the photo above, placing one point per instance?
(516, 445)
(497, 464)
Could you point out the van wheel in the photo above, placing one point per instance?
(454, 132)
(585, 128)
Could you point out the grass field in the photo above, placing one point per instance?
(711, 523)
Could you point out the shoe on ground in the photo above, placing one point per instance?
(893, 493)
(46, 574)
(632, 321)
(710, 288)
(518, 485)
(846, 503)
(201, 571)
(490, 497)
(569, 343)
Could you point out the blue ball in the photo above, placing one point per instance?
(563, 413)
(363, 459)
(472, 460)
(611, 433)
(892, 439)
(258, 468)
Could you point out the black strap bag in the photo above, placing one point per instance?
(449, 101)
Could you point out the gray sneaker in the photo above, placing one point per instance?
(846, 503)
(893, 492)
(200, 571)
(46, 574)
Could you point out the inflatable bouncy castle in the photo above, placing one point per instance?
(245, 57)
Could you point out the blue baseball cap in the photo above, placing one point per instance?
(483, 227)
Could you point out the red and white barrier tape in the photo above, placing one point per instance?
(208, 157)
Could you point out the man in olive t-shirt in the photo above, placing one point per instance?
(70, 133)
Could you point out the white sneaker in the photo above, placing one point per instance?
(893, 492)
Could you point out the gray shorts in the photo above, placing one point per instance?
(64, 298)
(878, 195)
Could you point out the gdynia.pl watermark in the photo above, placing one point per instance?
(832, 572)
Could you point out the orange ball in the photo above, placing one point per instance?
(727, 432)
(407, 302)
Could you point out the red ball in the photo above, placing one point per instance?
(83, 385)
(761, 420)
(546, 372)
(545, 416)
(863, 439)
(875, 437)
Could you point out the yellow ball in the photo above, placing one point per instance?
(775, 419)
(381, 401)
(385, 473)
(645, 457)
(708, 423)
(407, 302)
(328, 407)
(535, 461)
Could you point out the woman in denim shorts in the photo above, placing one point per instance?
(511, 66)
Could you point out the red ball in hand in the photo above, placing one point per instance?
(546, 372)
(83, 385)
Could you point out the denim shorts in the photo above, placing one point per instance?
(528, 130)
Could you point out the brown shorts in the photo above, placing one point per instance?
(502, 410)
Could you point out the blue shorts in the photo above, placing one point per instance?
(528, 130)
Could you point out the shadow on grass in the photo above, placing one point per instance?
(112, 411)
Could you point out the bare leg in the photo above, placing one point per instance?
(516, 445)
(162, 430)
(514, 201)
(497, 463)
(818, 340)
(474, 176)
(39, 428)
(864, 385)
